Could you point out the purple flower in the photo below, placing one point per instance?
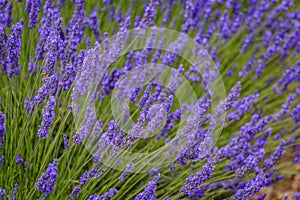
(66, 141)
(70, 70)
(248, 159)
(296, 196)
(253, 186)
(2, 193)
(3, 39)
(289, 76)
(286, 197)
(86, 127)
(87, 72)
(107, 2)
(193, 182)
(44, 29)
(175, 116)
(112, 13)
(97, 128)
(247, 69)
(157, 114)
(150, 190)
(14, 193)
(285, 108)
(261, 197)
(106, 196)
(11, 64)
(75, 192)
(128, 169)
(154, 171)
(277, 154)
(6, 9)
(78, 16)
(2, 128)
(297, 154)
(279, 135)
(1, 161)
(233, 96)
(60, 3)
(197, 141)
(48, 116)
(46, 182)
(94, 172)
(33, 8)
(94, 24)
(149, 16)
(242, 106)
(295, 114)
(49, 87)
(19, 159)
(298, 91)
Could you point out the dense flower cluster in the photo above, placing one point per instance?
(10, 64)
(46, 182)
(48, 115)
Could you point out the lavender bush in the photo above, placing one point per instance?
(158, 99)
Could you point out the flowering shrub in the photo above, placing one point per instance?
(148, 99)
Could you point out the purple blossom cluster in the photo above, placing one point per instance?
(66, 141)
(48, 116)
(150, 190)
(10, 64)
(6, 8)
(232, 97)
(295, 114)
(1, 161)
(2, 193)
(108, 195)
(33, 9)
(93, 173)
(46, 182)
(2, 129)
(14, 192)
(128, 169)
(242, 106)
(289, 76)
(19, 159)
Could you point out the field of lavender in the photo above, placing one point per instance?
(149, 99)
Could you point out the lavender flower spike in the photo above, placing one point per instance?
(1, 161)
(2, 128)
(46, 182)
(108, 195)
(33, 10)
(14, 192)
(75, 192)
(2, 193)
(11, 64)
(19, 159)
(149, 192)
(66, 141)
(48, 115)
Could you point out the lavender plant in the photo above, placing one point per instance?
(158, 99)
